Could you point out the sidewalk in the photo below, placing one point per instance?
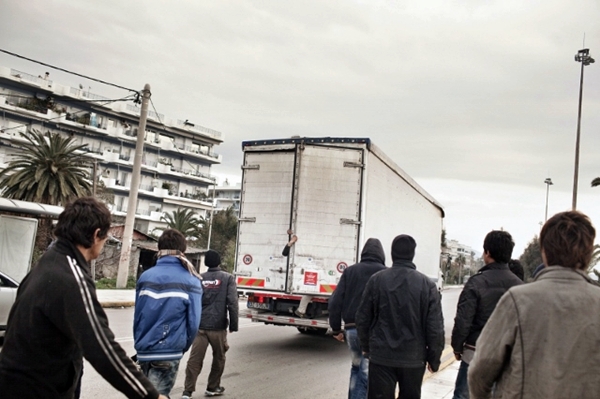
(116, 298)
(441, 384)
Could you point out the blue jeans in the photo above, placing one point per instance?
(359, 373)
(461, 389)
(161, 373)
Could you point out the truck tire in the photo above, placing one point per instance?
(312, 331)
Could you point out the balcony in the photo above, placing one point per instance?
(36, 80)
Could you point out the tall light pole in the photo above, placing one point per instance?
(548, 182)
(584, 57)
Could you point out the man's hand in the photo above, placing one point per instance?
(293, 240)
(162, 397)
(339, 337)
(457, 356)
(429, 368)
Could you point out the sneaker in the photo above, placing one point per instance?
(299, 314)
(186, 395)
(216, 392)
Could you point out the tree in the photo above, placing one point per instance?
(531, 257)
(48, 169)
(185, 221)
(223, 236)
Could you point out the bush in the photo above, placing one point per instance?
(111, 283)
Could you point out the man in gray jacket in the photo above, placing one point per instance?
(219, 298)
(542, 339)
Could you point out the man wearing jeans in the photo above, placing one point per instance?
(343, 305)
(167, 311)
(218, 300)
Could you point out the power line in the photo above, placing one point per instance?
(67, 71)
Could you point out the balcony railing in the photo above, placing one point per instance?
(31, 78)
(198, 128)
(81, 93)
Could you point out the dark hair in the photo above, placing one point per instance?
(499, 244)
(516, 267)
(567, 239)
(80, 220)
(172, 239)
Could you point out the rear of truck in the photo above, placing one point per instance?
(334, 194)
(314, 188)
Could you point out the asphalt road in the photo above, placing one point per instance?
(263, 361)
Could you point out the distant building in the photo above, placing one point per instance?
(177, 156)
(455, 249)
(226, 196)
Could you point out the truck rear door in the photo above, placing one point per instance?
(327, 192)
(265, 210)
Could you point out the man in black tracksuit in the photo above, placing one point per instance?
(343, 305)
(219, 298)
(57, 319)
(400, 325)
(478, 300)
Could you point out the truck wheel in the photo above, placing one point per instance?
(312, 331)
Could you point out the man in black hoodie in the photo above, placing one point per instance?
(400, 325)
(343, 305)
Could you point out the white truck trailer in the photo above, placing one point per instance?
(334, 193)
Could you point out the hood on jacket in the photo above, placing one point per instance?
(373, 250)
(403, 248)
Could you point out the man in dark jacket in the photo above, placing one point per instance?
(400, 325)
(167, 311)
(343, 305)
(478, 300)
(218, 299)
(57, 319)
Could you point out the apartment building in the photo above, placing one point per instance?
(226, 196)
(177, 155)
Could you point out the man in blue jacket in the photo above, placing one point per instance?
(167, 312)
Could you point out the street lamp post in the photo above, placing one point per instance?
(548, 182)
(584, 57)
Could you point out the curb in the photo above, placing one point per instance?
(447, 360)
(121, 304)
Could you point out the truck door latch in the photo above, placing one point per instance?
(350, 221)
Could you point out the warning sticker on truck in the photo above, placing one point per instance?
(311, 278)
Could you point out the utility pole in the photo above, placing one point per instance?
(123, 271)
(212, 214)
(584, 57)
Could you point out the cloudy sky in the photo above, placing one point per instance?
(476, 100)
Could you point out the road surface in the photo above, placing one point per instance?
(263, 361)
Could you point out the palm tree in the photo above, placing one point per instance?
(184, 220)
(596, 182)
(48, 169)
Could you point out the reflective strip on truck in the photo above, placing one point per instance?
(250, 282)
(327, 288)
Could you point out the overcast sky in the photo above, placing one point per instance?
(475, 100)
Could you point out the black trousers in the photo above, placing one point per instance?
(383, 379)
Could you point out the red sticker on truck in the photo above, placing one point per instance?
(311, 278)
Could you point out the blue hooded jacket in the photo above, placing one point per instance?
(167, 311)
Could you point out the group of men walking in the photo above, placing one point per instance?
(57, 320)
(514, 340)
